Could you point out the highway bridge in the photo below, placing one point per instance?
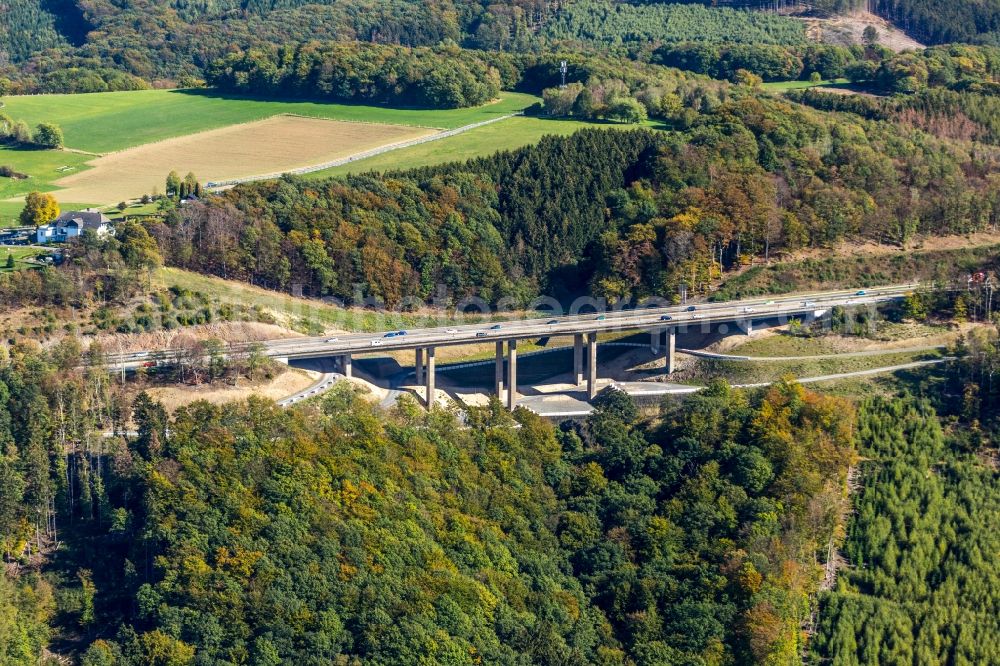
(662, 322)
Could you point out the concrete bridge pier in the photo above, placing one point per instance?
(671, 349)
(591, 365)
(578, 359)
(345, 364)
(511, 374)
(498, 371)
(429, 379)
(655, 338)
(418, 365)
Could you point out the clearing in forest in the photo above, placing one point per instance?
(268, 146)
(847, 30)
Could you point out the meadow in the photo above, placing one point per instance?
(507, 135)
(19, 254)
(43, 166)
(102, 123)
(105, 122)
(782, 86)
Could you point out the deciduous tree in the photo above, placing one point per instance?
(39, 208)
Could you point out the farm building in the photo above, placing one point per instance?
(72, 224)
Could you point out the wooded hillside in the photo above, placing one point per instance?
(922, 583)
(616, 213)
(251, 534)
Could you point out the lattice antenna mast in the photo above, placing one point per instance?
(562, 71)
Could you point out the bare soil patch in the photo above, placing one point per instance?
(846, 31)
(283, 385)
(225, 331)
(268, 146)
(871, 248)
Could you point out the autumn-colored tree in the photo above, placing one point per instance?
(137, 247)
(39, 208)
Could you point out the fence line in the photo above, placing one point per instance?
(359, 156)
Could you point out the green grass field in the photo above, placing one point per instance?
(19, 254)
(506, 135)
(793, 345)
(782, 86)
(43, 167)
(750, 372)
(104, 122)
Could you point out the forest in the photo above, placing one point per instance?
(360, 72)
(109, 47)
(337, 532)
(27, 28)
(956, 67)
(765, 526)
(441, 77)
(922, 585)
(651, 210)
(940, 22)
(99, 45)
(638, 25)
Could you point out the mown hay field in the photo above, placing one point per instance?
(274, 145)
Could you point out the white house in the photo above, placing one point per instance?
(72, 224)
